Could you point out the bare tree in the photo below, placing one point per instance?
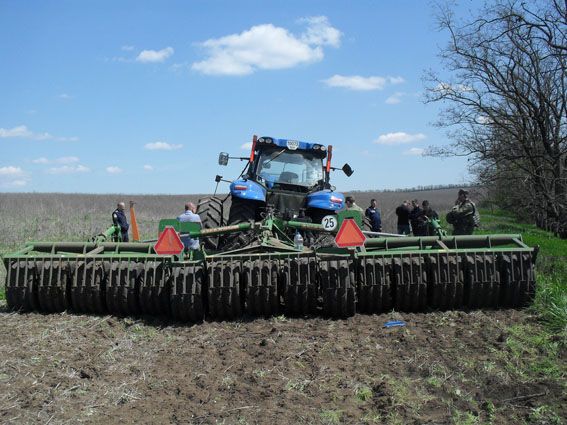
(505, 101)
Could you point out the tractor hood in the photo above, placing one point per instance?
(326, 200)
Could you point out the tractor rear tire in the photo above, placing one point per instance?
(241, 211)
(211, 211)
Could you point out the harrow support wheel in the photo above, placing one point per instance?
(186, 293)
(446, 277)
(374, 285)
(338, 287)
(122, 288)
(88, 287)
(298, 279)
(21, 285)
(153, 294)
(261, 282)
(482, 281)
(410, 280)
(53, 283)
(224, 299)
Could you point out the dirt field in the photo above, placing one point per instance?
(463, 368)
(441, 368)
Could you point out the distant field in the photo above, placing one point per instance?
(57, 216)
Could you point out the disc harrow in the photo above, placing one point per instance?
(403, 274)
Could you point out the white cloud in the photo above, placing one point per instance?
(267, 47)
(247, 146)
(356, 82)
(22, 132)
(395, 98)
(11, 171)
(67, 160)
(62, 160)
(148, 168)
(161, 146)
(11, 176)
(16, 183)
(153, 56)
(69, 169)
(414, 151)
(113, 169)
(398, 138)
(320, 32)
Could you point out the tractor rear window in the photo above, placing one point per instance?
(282, 166)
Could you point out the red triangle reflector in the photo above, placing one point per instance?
(168, 243)
(349, 234)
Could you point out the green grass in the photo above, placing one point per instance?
(550, 304)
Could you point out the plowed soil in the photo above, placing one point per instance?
(440, 368)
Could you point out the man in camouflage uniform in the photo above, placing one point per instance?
(461, 215)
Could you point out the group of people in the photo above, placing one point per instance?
(415, 219)
(412, 218)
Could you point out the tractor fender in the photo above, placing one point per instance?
(326, 200)
(247, 189)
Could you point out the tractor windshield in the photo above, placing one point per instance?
(290, 167)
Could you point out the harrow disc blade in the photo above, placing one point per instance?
(53, 285)
(154, 289)
(186, 293)
(21, 285)
(446, 277)
(338, 287)
(410, 280)
(374, 285)
(88, 287)
(518, 282)
(482, 281)
(224, 291)
(261, 282)
(298, 278)
(122, 288)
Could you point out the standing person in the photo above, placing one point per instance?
(462, 215)
(427, 214)
(351, 204)
(416, 219)
(190, 215)
(373, 214)
(403, 213)
(119, 219)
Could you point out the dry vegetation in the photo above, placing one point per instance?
(58, 216)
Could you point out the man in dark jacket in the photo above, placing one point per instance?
(119, 219)
(373, 215)
(416, 219)
(427, 214)
(403, 212)
(462, 214)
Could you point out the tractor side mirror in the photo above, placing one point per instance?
(347, 170)
(218, 178)
(223, 158)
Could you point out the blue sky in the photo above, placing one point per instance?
(140, 97)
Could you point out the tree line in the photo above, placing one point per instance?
(503, 91)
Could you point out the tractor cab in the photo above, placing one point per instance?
(286, 164)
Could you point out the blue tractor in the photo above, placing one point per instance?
(286, 178)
